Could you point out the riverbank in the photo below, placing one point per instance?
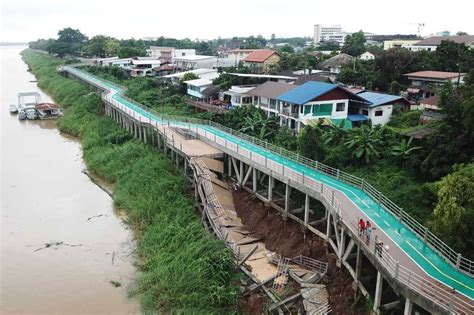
(182, 268)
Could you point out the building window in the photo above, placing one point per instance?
(365, 112)
(340, 107)
(322, 109)
(378, 113)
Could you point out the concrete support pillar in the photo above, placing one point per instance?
(328, 226)
(241, 171)
(342, 244)
(229, 165)
(306, 209)
(287, 197)
(158, 140)
(254, 180)
(145, 131)
(408, 307)
(270, 188)
(378, 291)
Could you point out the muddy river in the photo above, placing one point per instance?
(46, 199)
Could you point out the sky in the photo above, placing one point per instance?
(26, 20)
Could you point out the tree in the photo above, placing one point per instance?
(328, 46)
(453, 216)
(354, 44)
(71, 36)
(392, 64)
(311, 143)
(452, 57)
(259, 125)
(112, 47)
(395, 87)
(461, 33)
(58, 48)
(365, 142)
(127, 51)
(287, 49)
(96, 45)
(404, 149)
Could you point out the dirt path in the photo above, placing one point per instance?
(287, 238)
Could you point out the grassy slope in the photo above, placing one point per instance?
(181, 267)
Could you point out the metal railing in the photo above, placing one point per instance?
(463, 264)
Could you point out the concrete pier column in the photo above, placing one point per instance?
(270, 188)
(328, 226)
(254, 180)
(378, 291)
(241, 171)
(287, 196)
(229, 165)
(144, 134)
(342, 244)
(306, 209)
(408, 307)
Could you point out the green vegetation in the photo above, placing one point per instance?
(354, 44)
(182, 269)
(385, 73)
(454, 214)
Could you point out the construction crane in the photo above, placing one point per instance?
(420, 25)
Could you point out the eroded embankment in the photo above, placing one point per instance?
(182, 268)
(287, 238)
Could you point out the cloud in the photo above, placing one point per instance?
(30, 19)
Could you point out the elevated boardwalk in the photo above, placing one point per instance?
(417, 265)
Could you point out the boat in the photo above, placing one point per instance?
(21, 115)
(13, 109)
(48, 110)
(31, 114)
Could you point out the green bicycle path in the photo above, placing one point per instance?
(422, 254)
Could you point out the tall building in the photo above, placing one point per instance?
(329, 34)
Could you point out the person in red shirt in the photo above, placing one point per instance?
(361, 227)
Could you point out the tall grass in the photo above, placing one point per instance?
(182, 269)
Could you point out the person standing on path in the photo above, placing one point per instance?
(368, 232)
(361, 227)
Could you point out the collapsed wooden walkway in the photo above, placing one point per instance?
(268, 270)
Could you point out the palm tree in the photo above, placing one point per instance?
(333, 134)
(259, 126)
(404, 149)
(365, 142)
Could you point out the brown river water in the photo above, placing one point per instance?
(46, 198)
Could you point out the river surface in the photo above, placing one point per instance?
(46, 198)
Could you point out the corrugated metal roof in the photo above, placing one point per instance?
(304, 93)
(379, 98)
(434, 74)
(259, 55)
(271, 89)
(357, 117)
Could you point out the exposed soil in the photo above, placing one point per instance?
(287, 238)
(252, 302)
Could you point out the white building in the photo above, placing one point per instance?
(367, 56)
(196, 87)
(168, 53)
(209, 74)
(195, 62)
(237, 55)
(432, 43)
(399, 43)
(238, 95)
(329, 34)
(143, 67)
(306, 104)
(380, 109)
